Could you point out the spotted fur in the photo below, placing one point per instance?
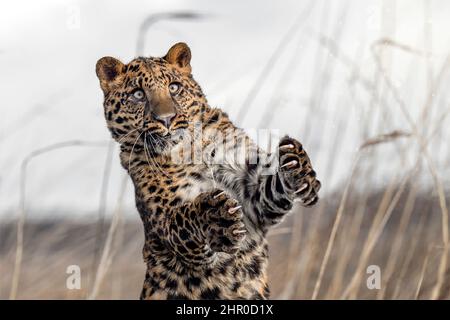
(205, 222)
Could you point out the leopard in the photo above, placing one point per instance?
(205, 218)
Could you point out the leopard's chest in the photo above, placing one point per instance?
(193, 184)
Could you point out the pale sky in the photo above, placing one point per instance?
(48, 51)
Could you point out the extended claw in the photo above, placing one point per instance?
(311, 201)
(290, 164)
(302, 188)
(219, 194)
(233, 210)
(239, 231)
(286, 147)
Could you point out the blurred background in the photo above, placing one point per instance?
(362, 84)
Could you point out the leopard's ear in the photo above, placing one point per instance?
(180, 56)
(109, 72)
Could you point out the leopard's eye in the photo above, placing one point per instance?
(174, 87)
(138, 94)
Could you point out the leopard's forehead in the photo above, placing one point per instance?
(151, 71)
(150, 63)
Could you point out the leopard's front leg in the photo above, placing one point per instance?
(211, 223)
(294, 180)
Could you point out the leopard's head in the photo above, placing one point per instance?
(151, 100)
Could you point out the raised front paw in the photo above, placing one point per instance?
(297, 172)
(224, 228)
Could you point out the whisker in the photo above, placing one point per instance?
(145, 148)
(152, 139)
(147, 155)
(131, 153)
(120, 140)
(154, 162)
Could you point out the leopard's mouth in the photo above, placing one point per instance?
(154, 143)
(158, 143)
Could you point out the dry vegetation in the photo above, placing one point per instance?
(408, 252)
(401, 224)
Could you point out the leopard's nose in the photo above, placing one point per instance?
(166, 119)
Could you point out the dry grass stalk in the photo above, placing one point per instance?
(422, 275)
(22, 213)
(107, 254)
(431, 167)
(102, 202)
(272, 61)
(393, 255)
(334, 230)
(381, 218)
(345, 258)
(384, 138)
(409, 257)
